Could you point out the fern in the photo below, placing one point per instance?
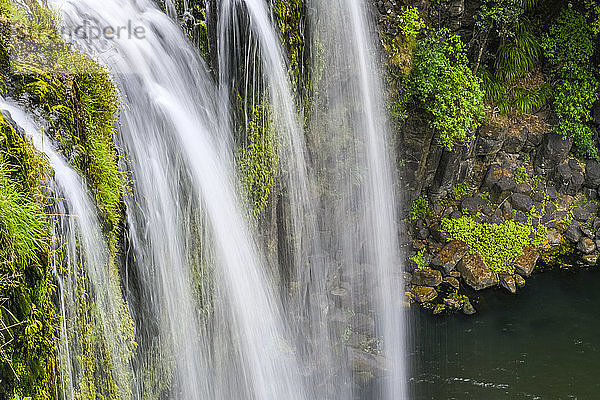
(516, 58)
(528, 100)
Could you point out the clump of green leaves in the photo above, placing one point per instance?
(419, 259)
(568, 47)
(419, 208)
(444, 85)
(498, 245)
(410, 22)
(461, 190)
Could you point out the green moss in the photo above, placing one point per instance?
(27, 349)
(258, 160)
(499, 245)
(77, 98)
(79, 102)
(289, 15)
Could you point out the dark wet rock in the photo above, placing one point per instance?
(507, 210)
(519, 280)
(506, 184)
(487, 210)
(586, 245)
(581, 214)
(523, 188)
(489, 140)
(497, 217)
(450, 255)
(468, 308)
(476, 273)
(552, 151)
(427, 277)
(525, 263)
(454, 274)
(552, 192)
(446, 213)
(568, 178)
(590, 194)
(514, 141)
(520, 217)
(493, 175)
(573, 233)
(586, 231)
(438, 234)
(538, 196)
(454, 302)
(422, 294)
(472, 204)
(456, 215)
(592, 174)
(507, 281)
(452, 281)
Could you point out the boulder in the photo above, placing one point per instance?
(472, 204)
(476, 273)
(519, 280)
(573, 233)
(581, 214)
(586, 245)
(438, 309)
(454, 302)
(553, 150)
(586, 231)
(525, 263)
(450, 255)
(468, 308)
(426, 277)
(515, 139)
(592, 174)
(521, 202)
(452, 281)
(523, 188)
(422, 294)
(507, 281)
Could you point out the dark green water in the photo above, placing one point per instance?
(543, 343)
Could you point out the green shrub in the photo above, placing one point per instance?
(568, 47)
(444, 85)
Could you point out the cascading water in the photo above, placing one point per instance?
(184, 193)
(83, 268)
(209, 324)
(350, 142)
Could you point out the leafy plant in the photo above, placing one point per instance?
(444, 85)
(419, 208)
(419, 259)
(568, 47)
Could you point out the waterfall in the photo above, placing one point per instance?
(210, 314)
(209, 320)
(351, 142)
(84, 270)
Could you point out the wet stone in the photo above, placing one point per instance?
(476, 273)
(525, 263)
(468, 308)
(586, 245)
(519, 280)
(450, 255)
(508, 282)
(427, 277)
(452, 281)
(422, 294)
